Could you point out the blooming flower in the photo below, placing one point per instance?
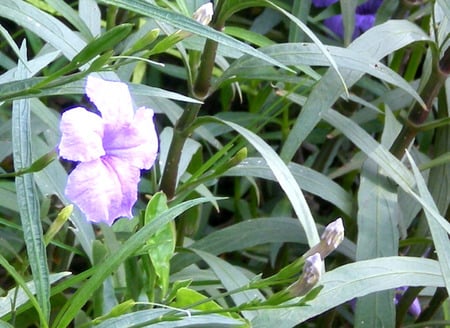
(364, 17)
(111, 149)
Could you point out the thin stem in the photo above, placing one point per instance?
(418, 114)
(182, 127)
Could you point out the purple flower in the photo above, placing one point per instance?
(415, 308)
(364, 17)
(111, 148)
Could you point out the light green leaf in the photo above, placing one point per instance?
(175, 318)
(308, 179)
(378, 236)
(355, 280)
(440, 236)
(377, 42)
(27, 197)
(43, 25)
(187, 24)
(162, 242)
(232, 278)
(250, 233)
(284, 178)
(112, 262)
(20, 297)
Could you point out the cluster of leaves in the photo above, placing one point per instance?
(270, 127)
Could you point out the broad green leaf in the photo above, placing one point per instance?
(308, 180)
(185, 23)
(186, 298)
(378, 236)
(90, 14)
(295, 54)
(113, 261)
(71, 16)
(250, 233)
(43, 25)
(169, 318)
(376, 43)
(440, 236)
(249, 36)
(20, 297)
(162, 243)
(355, 280)
(284, 178)
(27, 198)
(316, 40)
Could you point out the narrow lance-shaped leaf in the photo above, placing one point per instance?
(27, 197)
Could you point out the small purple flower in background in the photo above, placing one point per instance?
(364, 17)
(414, 308)
(111, 148)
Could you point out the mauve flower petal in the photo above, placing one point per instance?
(82, 134)
(323, 3)
(99, 188)
(112, 99)
(136, 143)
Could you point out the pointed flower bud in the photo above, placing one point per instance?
(331, 238)
(204, 13)
(309, 278)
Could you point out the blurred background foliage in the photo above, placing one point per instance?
(271, 126)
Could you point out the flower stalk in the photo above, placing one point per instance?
(418, 115)
(183, 126)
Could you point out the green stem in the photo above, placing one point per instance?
(418, 114)
(183, 126)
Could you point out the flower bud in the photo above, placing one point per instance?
(309, 278)
(204, 13)
(331, 238)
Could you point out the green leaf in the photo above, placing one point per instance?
(355, 280)
(232, 279)
(378, 236)
(162, 243)
(440, 236)
(284, 178)
(169, 318)
(43, 25)
(187, 24)
(24, 293)
(377, 42)
(308, 179)
(113, 261)
(250, 233)
(27, 199)
(71, 15)
(187, 298)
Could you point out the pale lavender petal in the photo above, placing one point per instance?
(129, 178)
(323, 3)
(100, 189)
(82, 134)
(415, 308)
(136, 143)
(112, 99)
